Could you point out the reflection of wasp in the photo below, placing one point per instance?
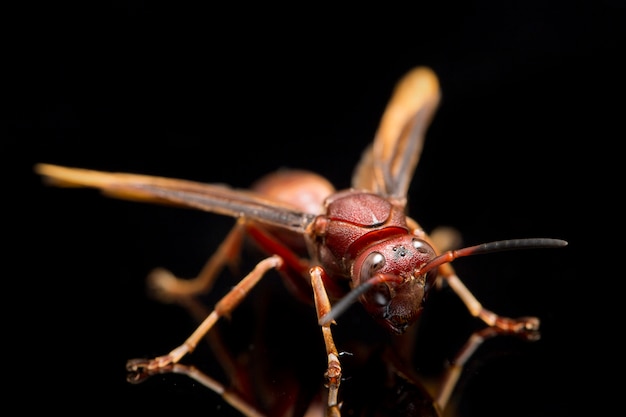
(332, 247)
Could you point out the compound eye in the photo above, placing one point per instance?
(422, 247)
(372, 263)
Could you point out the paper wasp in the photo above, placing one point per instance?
(332, 247)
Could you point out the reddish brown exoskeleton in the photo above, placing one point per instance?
(332, 247)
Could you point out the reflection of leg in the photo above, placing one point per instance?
(238, 377)
(456, 367)
(142, 368)
(230, 396)
(167, 287)
(524, 327)
(333, 374)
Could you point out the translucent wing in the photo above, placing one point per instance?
(388, 164)
(213, 198)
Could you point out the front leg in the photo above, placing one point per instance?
(333, 373)
(526, 327)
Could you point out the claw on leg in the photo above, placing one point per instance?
(525, 327)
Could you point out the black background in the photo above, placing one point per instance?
(524, 145)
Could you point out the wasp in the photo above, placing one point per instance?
(333, 248)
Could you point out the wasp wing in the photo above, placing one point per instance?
(388, 164)
(213, 198)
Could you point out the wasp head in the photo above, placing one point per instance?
(398, 290)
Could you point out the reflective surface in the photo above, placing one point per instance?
(498, 163)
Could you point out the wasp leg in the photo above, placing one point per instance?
(141, 368)
(166, 287)
(333, 373)
(527, 327)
